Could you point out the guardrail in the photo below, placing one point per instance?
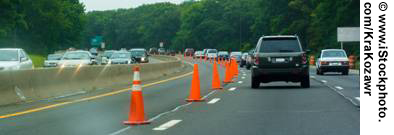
(27, 85)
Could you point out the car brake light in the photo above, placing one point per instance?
(304, 59)
(256, 60)
(323, 63)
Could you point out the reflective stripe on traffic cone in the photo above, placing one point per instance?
(195, 88)
(136, 114)
(215, 78)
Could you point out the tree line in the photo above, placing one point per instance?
(222, 24)
(41, 26)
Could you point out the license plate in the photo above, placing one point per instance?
(280, 60)
(335, 64)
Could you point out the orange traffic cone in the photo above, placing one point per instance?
(136, 114)
(195, 89)
(228, 77)
(235, 69)
(218, 59)
(216, 78)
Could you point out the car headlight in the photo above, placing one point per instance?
(142, 58)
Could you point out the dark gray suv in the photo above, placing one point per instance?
(280, 58)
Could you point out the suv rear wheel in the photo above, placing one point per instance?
(305, 82)
(255, 81)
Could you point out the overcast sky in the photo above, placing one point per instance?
(91, 5)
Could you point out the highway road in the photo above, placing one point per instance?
(329, 107)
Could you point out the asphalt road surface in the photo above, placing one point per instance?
(329, 107)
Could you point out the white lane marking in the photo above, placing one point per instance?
(324, 81)
(313, 77)
(358, 98)
(232, 89)
(240, 82)
(242, 77)
(167, 125)
(339, 87)
(208, 94)
(120, 131)
(214, 101)
(244, 74)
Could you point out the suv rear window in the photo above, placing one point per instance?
(280, 45)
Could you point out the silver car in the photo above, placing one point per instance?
(121, 57)
(332, 60)
(14, 59)
(52, 60)
(105, 57)
(76, 58)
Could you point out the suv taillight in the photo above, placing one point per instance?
(304, 59)
(256, 59)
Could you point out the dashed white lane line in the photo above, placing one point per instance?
(232, 89)
(244, 74)
(240, 82)
(242, 77)
(313, 77)
(161, 114)
(358, 98)
(324, 81)
(120, 131)
(339, 87)
(167, 125)
(213, 101)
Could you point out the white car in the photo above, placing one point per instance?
(14, 59)
(332, 60)
(236, 56)
(52, 60)
(211, 53)
(76, 58)
(198, 54)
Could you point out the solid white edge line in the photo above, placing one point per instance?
(213, 101)
(167, 125)
(120, 131)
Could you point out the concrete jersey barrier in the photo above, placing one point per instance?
(25, 85)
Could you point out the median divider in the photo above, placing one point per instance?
(32, 85)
